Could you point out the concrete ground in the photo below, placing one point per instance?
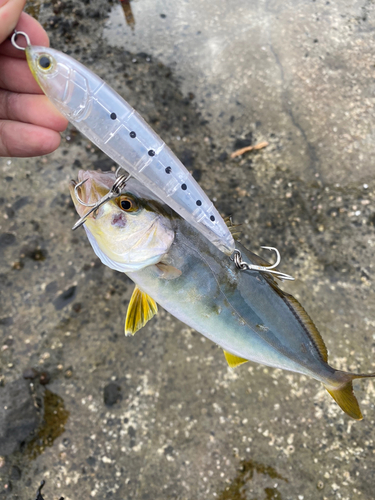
(160, 415)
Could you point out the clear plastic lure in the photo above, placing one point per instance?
(97, 111)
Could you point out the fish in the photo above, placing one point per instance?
(246, 313)
(105, 118)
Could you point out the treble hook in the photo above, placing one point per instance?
(115, 191)
(79, 198)
(236, 257)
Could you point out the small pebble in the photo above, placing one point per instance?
(112, 394)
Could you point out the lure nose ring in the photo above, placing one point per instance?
(14, 38)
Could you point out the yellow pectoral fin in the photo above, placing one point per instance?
(233, 360)
(141, 309)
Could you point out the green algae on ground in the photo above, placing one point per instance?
(55, 418)
(236, 490)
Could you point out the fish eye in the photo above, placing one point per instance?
(44, 62)
(127, 204)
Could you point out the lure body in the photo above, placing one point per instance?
(97, 111)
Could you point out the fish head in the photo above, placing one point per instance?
(129, 232)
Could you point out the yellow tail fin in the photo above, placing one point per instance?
(344, 395)
(345, 398)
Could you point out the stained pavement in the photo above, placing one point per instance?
(160, 415)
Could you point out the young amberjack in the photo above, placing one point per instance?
(171, 263)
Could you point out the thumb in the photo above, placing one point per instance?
(10, 11)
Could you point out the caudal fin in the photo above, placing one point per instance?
(343, 393)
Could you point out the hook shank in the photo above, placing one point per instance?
(115, 191)
(236, 257)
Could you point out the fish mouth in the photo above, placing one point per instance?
(79, 197)
(96, 185)
(81, 193)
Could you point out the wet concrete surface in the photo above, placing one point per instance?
(160, 415)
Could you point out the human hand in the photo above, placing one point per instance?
(29, 123)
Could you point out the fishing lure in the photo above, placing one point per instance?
(97, 111)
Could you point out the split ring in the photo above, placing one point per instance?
(14, 38)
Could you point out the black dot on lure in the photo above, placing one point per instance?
(151, 152)
(44, 62)
(212, 218)
(113, 116)
(199, 203)
(168, 170)
(183, 187)
(133, 135)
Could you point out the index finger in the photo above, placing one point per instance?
(10, 11)
(34, 31)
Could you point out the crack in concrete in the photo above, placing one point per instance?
(313, 158)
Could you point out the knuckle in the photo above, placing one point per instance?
(4, 148)
(8, 105)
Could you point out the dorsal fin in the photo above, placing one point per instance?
(233, 228)
(140, 310)
(304, 319)
(309, 324)
(234, 360)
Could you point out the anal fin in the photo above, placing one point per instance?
(141, 309)
(234, 360)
